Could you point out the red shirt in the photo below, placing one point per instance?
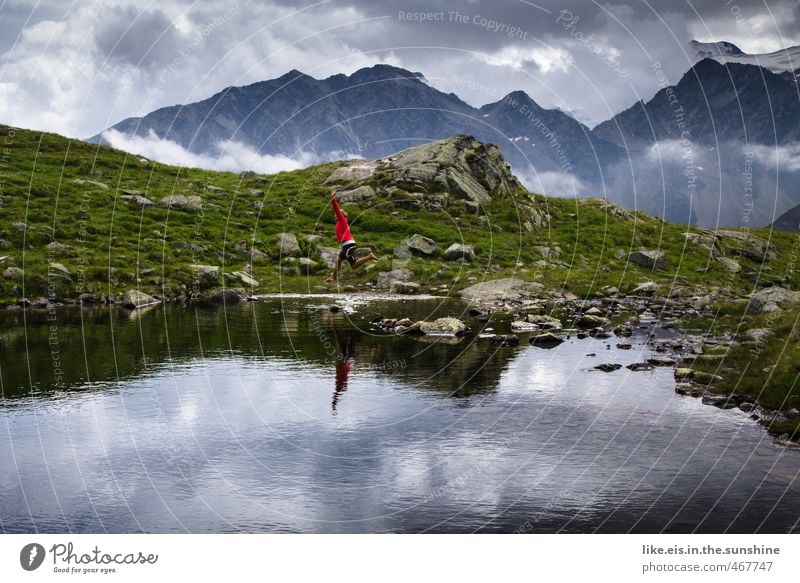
(342, 226)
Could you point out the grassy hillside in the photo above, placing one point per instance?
(70, 224)
(64, 202)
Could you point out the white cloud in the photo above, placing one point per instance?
(560, 184)
(784, 157)
(230, 156)
(547, 59)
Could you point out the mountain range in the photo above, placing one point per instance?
(716, 148)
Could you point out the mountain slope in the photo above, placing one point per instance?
(86, 219)
(718, 103)
(371, 113)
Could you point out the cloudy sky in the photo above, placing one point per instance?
(78, 67)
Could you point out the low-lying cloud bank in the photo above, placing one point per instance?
(230, 156)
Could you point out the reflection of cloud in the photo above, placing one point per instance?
(231, 156)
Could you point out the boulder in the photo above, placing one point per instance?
(328, 255)
(135, 299)
(58, 267)
(404, 287)
(444, 327)
(228, 295)
(138, 200)
(747, 245)
(771, 299)
(386, 278)
(648, 288)
(729, 265)
(505, 340)
(649, 258)
(12, 272)
(179, 202)
(208, 274)
(288, 244)
(56, 246)
(459, 251)
(587, 321)
(352, 171)
(258, 256)
(245, 278)
(421, 245)
(307, 265)
(510, 289)
(546, 340)
(362, 193)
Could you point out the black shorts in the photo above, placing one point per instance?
(348, 253)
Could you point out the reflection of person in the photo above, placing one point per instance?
(345, 238)
(345, 361)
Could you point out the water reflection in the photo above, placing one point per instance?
(285, 417)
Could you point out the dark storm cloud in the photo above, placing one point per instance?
(139, 38)
(99, 61)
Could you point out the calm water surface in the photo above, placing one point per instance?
(280, 416)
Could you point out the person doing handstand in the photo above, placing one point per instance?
(343, 235)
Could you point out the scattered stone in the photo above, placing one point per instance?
(729, 265)
(136, 299)
(648, 288)
(58, 267)
(587, 321)
(245, 278)
(257, 256)
(228, 295)
(771, 299)
(624, 346)
(510, 290)
(404, 287)
(444, 327)
(624, 330)
(458, 251)
(640, 366)
(421, 245)
(505, 340)
(307, 265)
(138, 200)
(546, 340)
(21, 227)
(328, 255)
(12, 273)
(608, 367)
(720, 402)
(179, 202)
(663, 361)
(747, 406)
(758, 335)
(362, 193)
(56, 246)
(651, 259)
(288, 244)
(207, 274)
(386, 278)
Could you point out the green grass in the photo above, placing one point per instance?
(113, 240)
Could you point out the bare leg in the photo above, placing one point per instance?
(336, 266)
(361, 261)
